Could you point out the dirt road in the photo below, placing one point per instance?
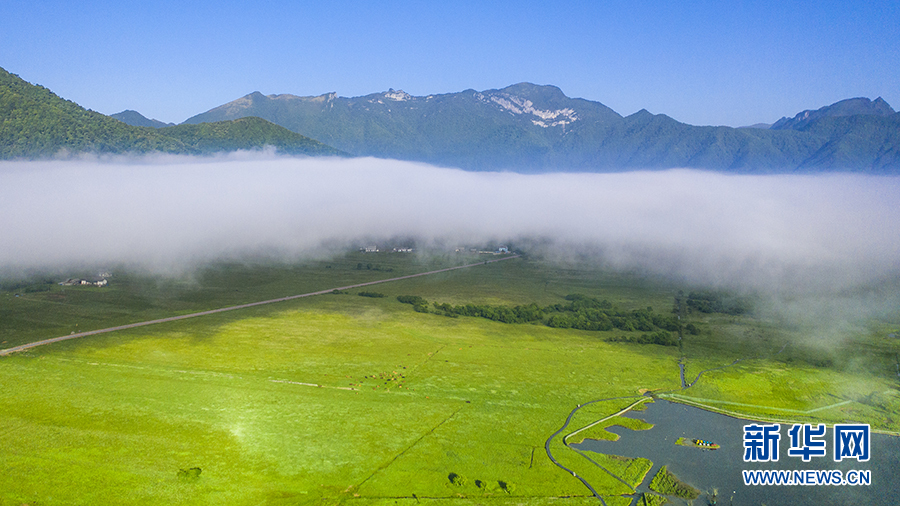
(232, 308)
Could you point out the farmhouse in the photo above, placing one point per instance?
(79, 281)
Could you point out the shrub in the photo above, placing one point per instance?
(457, 479)
(191, 474)
(412, 299)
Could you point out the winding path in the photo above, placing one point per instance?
(27, 346)
(568, 420)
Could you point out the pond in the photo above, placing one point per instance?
(721, 469)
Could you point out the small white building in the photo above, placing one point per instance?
(83, 282)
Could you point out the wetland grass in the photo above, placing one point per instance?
(278, 404)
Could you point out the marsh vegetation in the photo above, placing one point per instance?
(275, 403)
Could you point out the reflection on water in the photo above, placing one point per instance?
(721, 469)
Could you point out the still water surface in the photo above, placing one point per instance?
(721, 469)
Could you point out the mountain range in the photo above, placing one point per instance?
(533, 128)
(523, 127)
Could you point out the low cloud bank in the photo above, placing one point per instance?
(828, 232)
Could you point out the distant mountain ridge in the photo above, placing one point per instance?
(35, 123)
(135, 118)
(535, 128)
(850, 107)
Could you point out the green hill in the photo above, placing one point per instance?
(35, 123)
(246, 133)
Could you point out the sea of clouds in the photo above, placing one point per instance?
(826, 232)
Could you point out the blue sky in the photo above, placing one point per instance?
(705, 63)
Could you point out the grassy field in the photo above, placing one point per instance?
(37, 307)
(358, 400)
(667, 484)
(599, 431)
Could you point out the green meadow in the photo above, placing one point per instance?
(342, 399)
